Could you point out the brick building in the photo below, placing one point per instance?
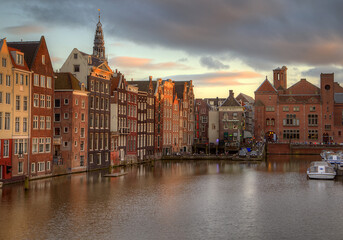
(158, 118)
(168, 95)
(114, 129)
(70, 145)
(176, 124)
(37, 57)
(142, 125)
(300, 113)
(201, 125)
(131, 149)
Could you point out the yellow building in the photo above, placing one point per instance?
(6, 111)
(21, 114)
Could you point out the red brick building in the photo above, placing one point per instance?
(71, 123)
(132, 97)
(37, 57)
(300, 113)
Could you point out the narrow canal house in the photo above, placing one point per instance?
(148, 87)
(141, 125)
(158, 95)
(201, 140)
(37, 57)
(94, 72)
(131, 149)
(168, 94)
(119, 88)
(6, 114)
(71, 124)
(115, 160)
(300, 113)
(175, 123)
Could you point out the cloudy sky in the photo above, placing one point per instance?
(219, 44)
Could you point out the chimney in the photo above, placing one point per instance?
(231, 93)
(150, 78)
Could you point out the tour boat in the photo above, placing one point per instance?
(321, 170)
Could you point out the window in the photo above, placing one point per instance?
(92, 102)
(76, 115)
(96, 141)
(7, 121)
(285, 109)
(57, 117)
(91, 120)
(99, 158)
(313, 120)
(82, 145)
(76, 101)
(35, 100)
(66, 101)
(83, 105)
(0, 120)
(48, 82)
(65, 144)
(66, 129)
(312, 109)
(34, 145)
(6, 148)
(24, 124)
(97, 103)
(33, 167)
(75, 55)
(47, 144)
(42, 122)
(8, 80)
(40, 166)
(41, 145)
(48, 101)
(35, 122)
(0, 97)
(1, 78)
(291, 120)
(17, 123)
(17, 103)
(36, 80)
(4, 62)
(43, 59)
(91, 141)
(327, 127)
(8, 98)
(75, 143)
(270, 109)
(90, 158)
(57, 131)
(20, 167)
(312, 134)
(57, 103)
(48, 165)
(48, 122)
(82, 161)
(42, 101)
(76, 68)
(75, 130)
(66, 115)
(82, 117)
(82, 132)
(25, 104)
(42, 81)
(291, 134)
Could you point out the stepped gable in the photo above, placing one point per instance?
(266, 87)
(303, 87)
(66, 80)
(28, 48)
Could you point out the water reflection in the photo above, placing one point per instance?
(177, 200)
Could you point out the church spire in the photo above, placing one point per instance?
(99, 43)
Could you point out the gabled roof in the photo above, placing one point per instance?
(29, 49)
(245, 98)
(66, 81)
(266, 86)
(337, 88)
(230, 102)
(143, 85)
(303, 87)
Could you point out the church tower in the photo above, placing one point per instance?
(99, 43)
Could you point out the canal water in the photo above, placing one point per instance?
(179, 200)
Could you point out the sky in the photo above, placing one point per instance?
(219, 44)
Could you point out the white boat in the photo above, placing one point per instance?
(321, 170)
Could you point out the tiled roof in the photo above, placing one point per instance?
(143, 85)
(246, 97)
(66, 81)
(28, 48)
(303, 87)
(230, 101)
(25, 67)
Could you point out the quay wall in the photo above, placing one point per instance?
(299, 149)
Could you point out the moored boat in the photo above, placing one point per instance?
(321, 170)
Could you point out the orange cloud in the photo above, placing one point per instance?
(144, 63)
(25, 29)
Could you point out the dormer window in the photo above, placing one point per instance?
(20, 59)
(43, 59)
